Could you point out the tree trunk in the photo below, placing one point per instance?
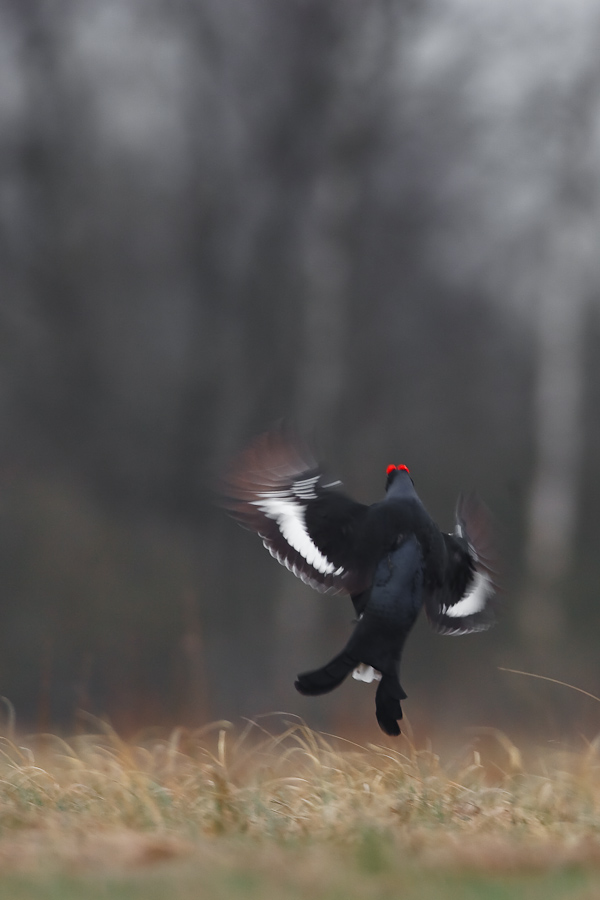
(569, 273)
(558, 432)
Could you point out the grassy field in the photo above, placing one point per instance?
(226, 814)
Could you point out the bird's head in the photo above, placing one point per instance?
(394, 472)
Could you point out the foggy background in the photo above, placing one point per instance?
(380, 220)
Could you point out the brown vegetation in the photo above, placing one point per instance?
(95, 801)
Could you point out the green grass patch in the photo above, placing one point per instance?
(290, 881)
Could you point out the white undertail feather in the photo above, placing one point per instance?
(363, 672)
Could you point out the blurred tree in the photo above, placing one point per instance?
(378, 220)
(569, 274)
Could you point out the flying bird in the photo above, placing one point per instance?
(390, 557)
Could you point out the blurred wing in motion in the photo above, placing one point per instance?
(464, 601)
(276, 489)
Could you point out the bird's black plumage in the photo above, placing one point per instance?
(393, 604)
(390, 557)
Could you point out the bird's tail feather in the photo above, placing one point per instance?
(328, 677)
(387, 704)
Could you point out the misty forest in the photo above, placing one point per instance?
(379, 221)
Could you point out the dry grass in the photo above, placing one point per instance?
(96, 801)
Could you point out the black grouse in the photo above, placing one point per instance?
(390, 557)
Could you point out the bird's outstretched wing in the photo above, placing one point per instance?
(276, 489)
(463, 602)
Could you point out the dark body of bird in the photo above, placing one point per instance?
(392, 605)
(390, 557)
